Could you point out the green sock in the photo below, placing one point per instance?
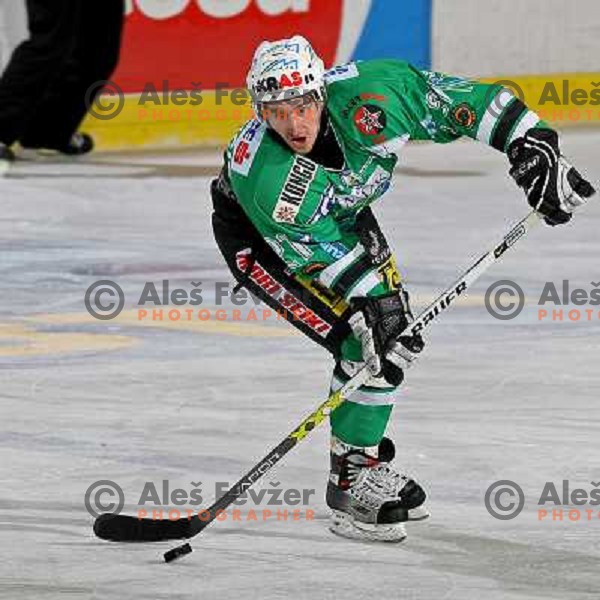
(360, 424)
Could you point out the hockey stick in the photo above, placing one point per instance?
(124, 528)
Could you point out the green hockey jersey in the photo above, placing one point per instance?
(306, 212)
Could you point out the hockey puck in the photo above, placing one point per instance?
(171, 555)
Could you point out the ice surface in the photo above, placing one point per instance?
(86, 400)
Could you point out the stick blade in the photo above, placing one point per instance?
(124, 528)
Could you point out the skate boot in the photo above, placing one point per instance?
(78, 145)
(370, 500)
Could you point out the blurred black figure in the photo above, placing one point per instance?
(71, 45)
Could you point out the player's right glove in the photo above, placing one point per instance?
(553, 186)
(377, 323)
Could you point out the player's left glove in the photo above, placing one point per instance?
(378, 323)
(553, 186)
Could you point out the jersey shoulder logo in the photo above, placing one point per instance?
(341, 72)
(464, 115)
(294, 190)
(245, 146)
(370, 119)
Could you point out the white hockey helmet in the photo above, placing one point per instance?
(283, 70)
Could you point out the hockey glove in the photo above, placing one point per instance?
(377, 323)
(553, 186)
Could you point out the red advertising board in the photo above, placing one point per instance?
(200, 43)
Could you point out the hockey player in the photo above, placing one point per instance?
(292, 219)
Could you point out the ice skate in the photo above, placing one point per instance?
(371, 500)
(79, 144)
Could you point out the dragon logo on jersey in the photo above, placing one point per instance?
(376, 185)
(370, 119)
(352, 189)
(326, 204)
(445, 82)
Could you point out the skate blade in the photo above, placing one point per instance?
(42, 155)
(346, 526)
(420, 513)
